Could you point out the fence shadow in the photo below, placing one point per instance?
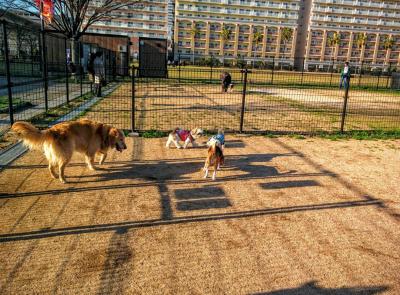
(252, 164)
(206, 197)
(123, 226)
(289, 184)
(312, 288)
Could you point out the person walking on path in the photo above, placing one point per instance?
(99, 73)
(345, 76)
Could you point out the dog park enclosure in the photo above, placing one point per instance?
(41, 86)
(285, 216)
(260, 101)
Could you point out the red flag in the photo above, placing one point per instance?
(47, 12)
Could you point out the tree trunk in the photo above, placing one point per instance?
(18, 42)
(283, 55)
(254, 56)
(75, 61)
(223, 53)
(75, 58)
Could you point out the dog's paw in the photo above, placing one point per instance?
(63, 180)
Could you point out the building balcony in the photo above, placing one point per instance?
(361, 4)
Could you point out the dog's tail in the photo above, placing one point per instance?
(31, 136)
(215, 149)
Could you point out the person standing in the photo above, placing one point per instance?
(99, 72)
(226, 81)
(345, 76)
(90, 67)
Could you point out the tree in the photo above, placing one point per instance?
(209, 61)
(388, 44)
(194, 32)
(257, 39)
(286, 36)
(240, 62)
(361, 40)
(333, 42)
(72, 18)
(225, 36)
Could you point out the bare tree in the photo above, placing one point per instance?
(72, 18)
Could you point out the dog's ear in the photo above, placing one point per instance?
(114, 132)
(112, 136)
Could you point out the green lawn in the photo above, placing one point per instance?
(277, 77)
(18, 103)
(31, 69)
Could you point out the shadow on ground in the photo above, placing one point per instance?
(311, 288)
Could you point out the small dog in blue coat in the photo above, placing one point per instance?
(215, 156)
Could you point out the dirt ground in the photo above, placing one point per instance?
(164, 106)
(285, 216)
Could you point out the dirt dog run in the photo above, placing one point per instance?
(285, 216)
(163, 106)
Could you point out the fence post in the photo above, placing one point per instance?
(344, 111)
(360, 76)
(133, 127)
(211, 69)
(389, 74)
(66, 71)
(32, 61)
(302, 72)
(45, 68)
(8, 74)
(81, 69)
(243, 99)
(273, 68)
(179, 68)
(377, 82)
(333, 64)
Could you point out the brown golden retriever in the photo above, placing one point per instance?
(62, 140)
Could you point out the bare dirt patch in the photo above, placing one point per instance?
(164, 105)
(285, 216)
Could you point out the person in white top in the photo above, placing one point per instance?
(345, 76)
(99, 72)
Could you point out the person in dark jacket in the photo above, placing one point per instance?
(226, 81)
(90, 67)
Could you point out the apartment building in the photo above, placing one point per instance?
(367, 31)
(231, 28)
(313, 32)
(154, 18)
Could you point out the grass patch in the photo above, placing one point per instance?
(297, 136)
(271, 135)
(362, 135)
(18, 104)
(153, 134)
(44, 119)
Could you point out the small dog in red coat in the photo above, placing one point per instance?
(186, 136)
